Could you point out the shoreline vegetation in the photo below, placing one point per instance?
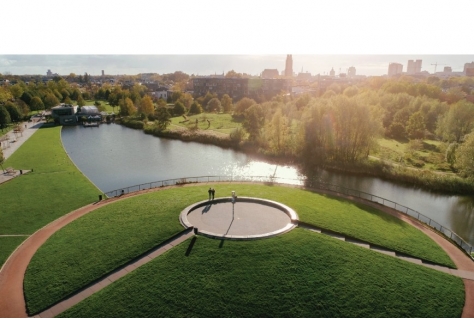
(380, 168)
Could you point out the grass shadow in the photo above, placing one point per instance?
(190, 247)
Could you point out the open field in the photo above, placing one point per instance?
(299, 274)
(54, 188)
(107, 238)
(219, 122)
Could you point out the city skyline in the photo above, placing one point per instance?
(253, 64)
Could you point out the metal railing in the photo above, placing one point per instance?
(307, 183)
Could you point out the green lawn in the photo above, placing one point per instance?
(54, 188)
(7, 246)
(220, 122)
(299, 274)
(109, 237)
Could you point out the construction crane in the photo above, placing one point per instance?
(436, 64)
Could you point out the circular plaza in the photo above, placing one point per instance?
(239, 218)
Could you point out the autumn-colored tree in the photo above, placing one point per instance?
(243, 105)
(465, 156)
(146, 106)
(127, 107)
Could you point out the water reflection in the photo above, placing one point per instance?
(115, 157)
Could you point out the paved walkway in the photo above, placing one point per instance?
(12, 303)
(22, 137)
(13, 146)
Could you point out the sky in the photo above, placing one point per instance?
(212, 36)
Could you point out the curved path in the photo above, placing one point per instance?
(12, 302)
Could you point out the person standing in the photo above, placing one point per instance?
(213, 193)
(210, 193)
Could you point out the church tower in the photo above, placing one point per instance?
(289, 66)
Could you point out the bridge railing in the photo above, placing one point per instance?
(308, 183)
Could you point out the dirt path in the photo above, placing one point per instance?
(12, 302)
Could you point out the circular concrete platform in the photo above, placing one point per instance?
(247, 218)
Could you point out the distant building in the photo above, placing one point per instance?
(413, 66)
(304, 76)
(447, 69)
(103, 73)
(49, 73)
(468, 66)
(469, 71)
(394, 69)
(270, 74)
(351, 72)
(332, 72)
(289, 66)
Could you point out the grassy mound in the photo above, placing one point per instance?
(299, 274)
(103, 240)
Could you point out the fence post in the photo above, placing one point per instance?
(418, 216)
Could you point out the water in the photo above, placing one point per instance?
(114, 157)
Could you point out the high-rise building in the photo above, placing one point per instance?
(103, 73)
(49, 73)
(289, 66)
(332, 72)
(351, 71)
(394, 69)
(447, 69)
(413, 66)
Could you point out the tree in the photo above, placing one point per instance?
(465, 156)
(162, 118)
(179, 109)
(4, 117)
(80, 101)
(457, 122)
(226, 103)
(127, 107)
(451, 153)
(396, 130)
(15, 114)
(254, 119)
(175, 96)
(16, 90)
(36, 104)
(5, 94)
(50, 100)
(277, 132)
(195, 108)
(214, 105)
(243, 105)
(1, 156)
(416, 126)
(146, 106)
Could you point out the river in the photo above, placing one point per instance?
(113, 157)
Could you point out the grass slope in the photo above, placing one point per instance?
(54, 188)
(97, 244)
(105, 239)
(299, 274)
(7, 246)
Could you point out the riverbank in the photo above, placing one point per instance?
(408, 176)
